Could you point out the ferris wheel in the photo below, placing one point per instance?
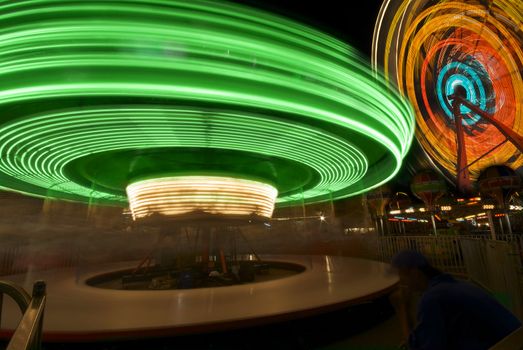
(460, 63)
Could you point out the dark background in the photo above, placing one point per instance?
(348, 20)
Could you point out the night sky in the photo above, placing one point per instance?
(351, 25)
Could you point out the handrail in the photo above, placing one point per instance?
(28, 333)
(16, 292)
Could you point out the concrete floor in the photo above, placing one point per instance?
(385, 336)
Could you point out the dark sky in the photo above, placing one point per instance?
(353, 25)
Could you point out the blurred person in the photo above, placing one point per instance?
(451, 314)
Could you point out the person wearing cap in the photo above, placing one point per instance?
(451, 314)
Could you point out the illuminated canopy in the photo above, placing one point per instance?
(97, 94)
(207, 195)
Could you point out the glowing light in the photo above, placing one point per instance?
(488, 206)
(322, 218)
(429, 48)
(94, 87)
(394, 212)
(446, 208)
(201, 195)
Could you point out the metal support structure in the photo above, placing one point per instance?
(459, 97)
(485, 154)
(206, 236)
(222, 261)
(28, 334)
(249, 246)
(303, 210)
(509, 226)
(491, 225)
(433, 224)
(377, 225)
(331, 206)
(511, 135)
(462, 174)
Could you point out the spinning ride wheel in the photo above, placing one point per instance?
(189, 109)
(460, 63)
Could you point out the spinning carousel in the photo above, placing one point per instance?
(196, 114)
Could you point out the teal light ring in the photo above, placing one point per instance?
(227, 57)
(461, 75)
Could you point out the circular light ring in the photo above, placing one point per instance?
(201, 195)
(39, 149)
(113, 170)
(429, 48)
(286, 84)
(458, 74)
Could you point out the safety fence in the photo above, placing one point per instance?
(443, 252)
(496, 265)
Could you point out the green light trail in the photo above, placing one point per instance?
(80, 79)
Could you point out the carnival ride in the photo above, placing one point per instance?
(460, 64)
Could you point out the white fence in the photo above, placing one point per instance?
(443, 252)
(495, 265)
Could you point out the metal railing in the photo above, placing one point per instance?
(443, 252)
(28, 334)
(496, 265)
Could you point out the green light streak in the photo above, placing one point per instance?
(77, 134)
(251, 81)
